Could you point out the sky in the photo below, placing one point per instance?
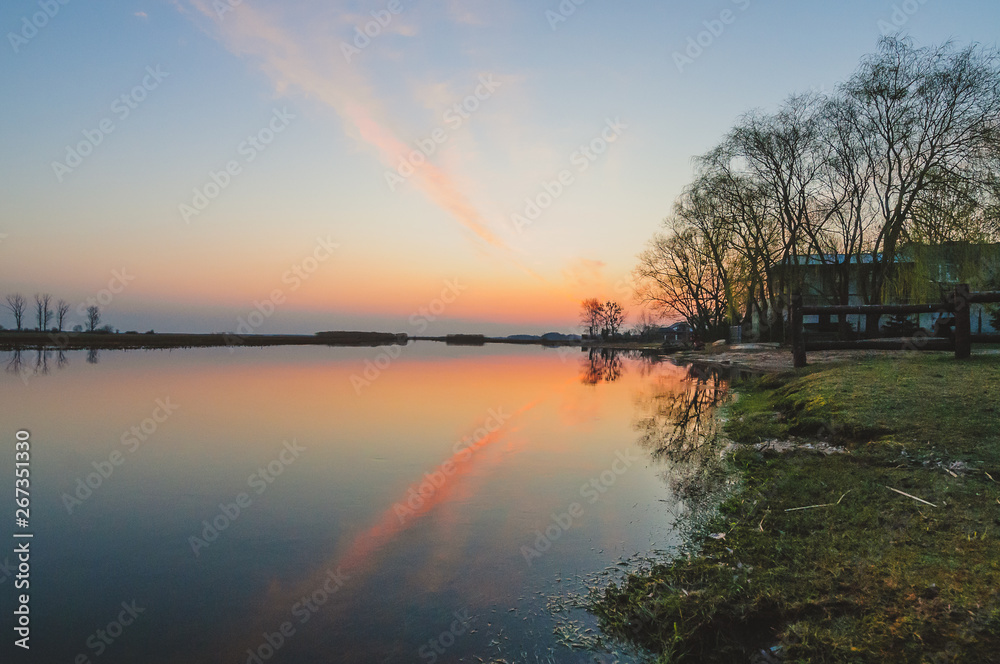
(394, 165)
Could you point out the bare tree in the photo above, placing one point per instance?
(591, 315)
(17, 304)
(925, 121)
(93, 317)
(907, 151)
(61, 310)
(614, 318)
(646, 322)
(676, 276)
(42, 312)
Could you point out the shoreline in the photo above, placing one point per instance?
(33, 340)
(862, 529)
(164, 340)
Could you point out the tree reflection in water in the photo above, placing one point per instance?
(16, 362)
(601, 365)
(606, 365)
(19, 362)
(677, 423)
(42, 361)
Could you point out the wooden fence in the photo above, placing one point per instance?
(958, 304)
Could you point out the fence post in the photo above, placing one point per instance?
(963, 322)
(798, 339)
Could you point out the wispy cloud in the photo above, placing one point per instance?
(585, 275)
(321, 73)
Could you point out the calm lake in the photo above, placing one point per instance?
(304, 504)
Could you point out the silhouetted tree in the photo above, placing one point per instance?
(61, 310)
(677, 276)
(614, 318)
(591, 315)
(16, 304)
(905, 151)
(93, 317)
(42, 312)
(646, 324)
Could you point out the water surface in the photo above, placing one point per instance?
(338, 505)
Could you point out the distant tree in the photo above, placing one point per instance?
(78, 328)
(16, 304)
(646, 323)
(42, 311)
(61, 310)
(93, 317)
(592, 315)
(614, 318)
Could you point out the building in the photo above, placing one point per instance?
(676, 333)
(925, 273)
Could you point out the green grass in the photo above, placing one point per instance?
(879, 576)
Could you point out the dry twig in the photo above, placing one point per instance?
(903, 493)
(810, 507)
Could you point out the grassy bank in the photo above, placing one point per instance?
(868, 576)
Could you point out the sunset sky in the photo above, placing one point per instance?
(201, 156)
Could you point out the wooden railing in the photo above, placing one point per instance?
(958, 304)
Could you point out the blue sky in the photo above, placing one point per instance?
(224, 76)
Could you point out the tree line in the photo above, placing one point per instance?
(44, 313)
(905, 151)
(603, 319)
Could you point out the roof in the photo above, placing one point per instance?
(835, 259)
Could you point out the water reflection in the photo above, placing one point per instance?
(399, 516)
(18, 364)
(15, 363)
(606, 365)
(601, 365)
(679, 426)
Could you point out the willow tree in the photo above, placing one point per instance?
(926, 121)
